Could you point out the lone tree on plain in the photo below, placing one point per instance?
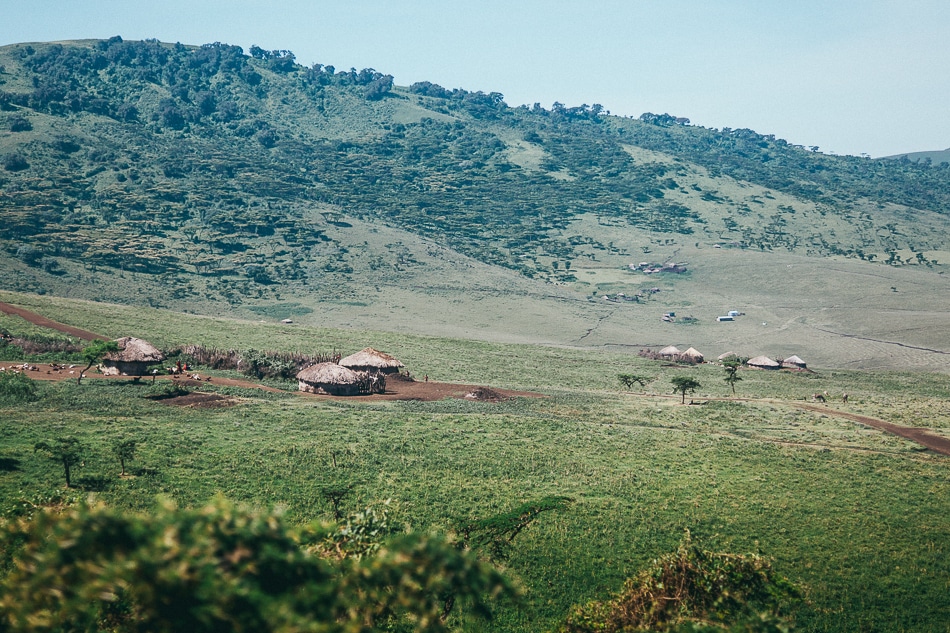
(684, 384)
(94, 352)
(65, 450)
(125, 451)
(732, 372)
(628, 380)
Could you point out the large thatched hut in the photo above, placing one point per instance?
(670, 351)
(331, 379)
(372, 361)
(692, 355)
(763, 362)
(132, 359)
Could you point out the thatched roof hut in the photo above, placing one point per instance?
(372, 361)
(727, 356)
(132, 359)
(670, 351)
(330, 379)
(763, 362)
(794, 362)
(693, 355)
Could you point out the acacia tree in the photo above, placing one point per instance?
(124, 449)
(628, 380)
(65, 450)
(732, 372)
(94, 352)
(684, 384)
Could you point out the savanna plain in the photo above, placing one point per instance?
(855, 517)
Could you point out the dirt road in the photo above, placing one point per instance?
(42, 321)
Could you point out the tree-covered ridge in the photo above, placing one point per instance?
(172, 159)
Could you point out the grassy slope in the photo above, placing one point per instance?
(856, 516)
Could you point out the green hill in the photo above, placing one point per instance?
(207, 180)
(931, 158)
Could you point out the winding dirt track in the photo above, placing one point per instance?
(42, 321)
(416, 390)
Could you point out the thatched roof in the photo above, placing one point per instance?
(370, 357)
(727, 356)
(134, 350)
(669, 350)
(764, 362)
(328, 374)
(693, 353)
(793, 361)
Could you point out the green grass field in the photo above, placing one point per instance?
(858, 518)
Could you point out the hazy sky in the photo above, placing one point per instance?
(850, 76)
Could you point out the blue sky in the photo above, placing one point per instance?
(850, 76)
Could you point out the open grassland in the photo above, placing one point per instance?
(857, 517)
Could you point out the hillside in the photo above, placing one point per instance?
(207, 180)
(933, 158)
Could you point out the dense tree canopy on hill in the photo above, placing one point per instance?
(162, 158)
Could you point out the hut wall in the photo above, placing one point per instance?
(327, 389)
(120, 368)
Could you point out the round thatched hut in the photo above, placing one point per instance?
(132, 359)
(692, 355)
(763, 362)
(728, 356)
(372, 361)
(670, 351)
(331, 379)
(794, 362)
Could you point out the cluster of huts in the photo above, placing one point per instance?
(694, 356)
(360, 373)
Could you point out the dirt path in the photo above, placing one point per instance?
(936, 443)
(42, 321)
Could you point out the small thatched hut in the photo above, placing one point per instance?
(692, 355)
(794, 362)
(132, 359)
(331, 379)
(728, 356)
(372, 361)
(670, 351)
(763, 362)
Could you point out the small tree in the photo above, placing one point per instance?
(684, 384)
(732, 372)
(94, 352)
(628, 380)
(65, 450)
(125, 451)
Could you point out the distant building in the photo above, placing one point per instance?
(725, 318)
(763, 362)
(794, 362)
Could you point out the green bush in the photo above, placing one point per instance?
(693, 589)
(16, 388)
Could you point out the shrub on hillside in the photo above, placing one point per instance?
(221, 568)
(696, 590)
(15, 162)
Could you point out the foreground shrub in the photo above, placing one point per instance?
(16, 388)
(693, 589)
(220, 568)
